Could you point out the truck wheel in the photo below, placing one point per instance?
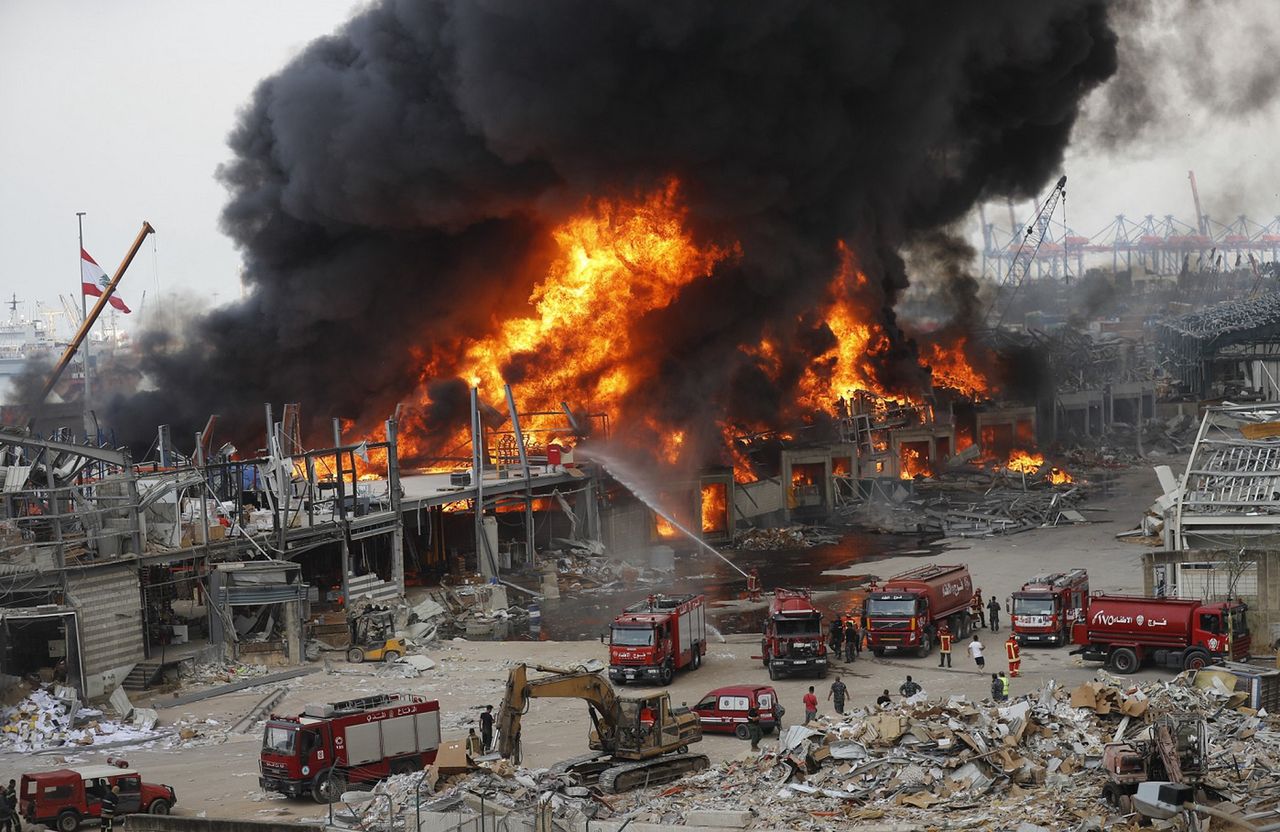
(926, 646)
(774, 675)
(878, 652)
(1195, 660)
(159, 806)
(68, 820)
(742, 732)
(390, 656)
(1124, 660)
(328, 787)
(355, 655)
(667, 675)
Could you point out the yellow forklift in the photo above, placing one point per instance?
(373, 637)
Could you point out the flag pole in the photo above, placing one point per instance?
(84, 312)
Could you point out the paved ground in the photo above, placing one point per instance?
(221, 779)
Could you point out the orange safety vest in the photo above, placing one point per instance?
(945, 639)
(1011, 649)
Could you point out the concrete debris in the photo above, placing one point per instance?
(969, 504)
(51, 717)
(788, 537)
(952, 764)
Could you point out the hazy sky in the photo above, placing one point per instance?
(121, 109)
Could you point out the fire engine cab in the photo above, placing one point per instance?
(1047, 607)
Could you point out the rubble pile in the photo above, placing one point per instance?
(958, 764)
(969, 504)
(218, 673)
(786, 537)
(51, 717)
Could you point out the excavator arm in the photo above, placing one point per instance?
(563, 684)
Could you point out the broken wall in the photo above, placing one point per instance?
(108, 602)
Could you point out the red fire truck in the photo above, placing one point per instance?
(1046, 607)
(358, 741)
(1123, 630)
(656, 637)
(904, 613)
(793, 638)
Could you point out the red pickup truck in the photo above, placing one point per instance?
(65, 797)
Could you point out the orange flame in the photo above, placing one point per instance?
(1024, 463)
(951, 369)
(914, 463)
(1057, 476)
(665, 530)
(714, 508)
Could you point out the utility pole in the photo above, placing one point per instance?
(84, 313)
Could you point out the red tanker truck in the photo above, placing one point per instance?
(655, 637)
(904, 613)
(1125, 630)
(1046, 607)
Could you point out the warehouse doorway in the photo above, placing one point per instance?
(41, 644)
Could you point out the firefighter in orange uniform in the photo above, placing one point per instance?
(944, 641)
(1012, 650)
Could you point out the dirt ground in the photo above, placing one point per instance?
(220, 778)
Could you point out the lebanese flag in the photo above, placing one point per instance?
(94, 281)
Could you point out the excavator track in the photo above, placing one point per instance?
(628, 776)
(586, 769)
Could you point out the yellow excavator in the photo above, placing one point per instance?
(640, 741)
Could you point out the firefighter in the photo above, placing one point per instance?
(837, 635)
(944, 645)
(753, 584)
(1013, 651)
(977, 611)
(851, 637)
(753, 727)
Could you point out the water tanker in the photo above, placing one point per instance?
(1125, 630)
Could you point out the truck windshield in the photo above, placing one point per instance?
(1032, 606)
(798, 627)
(279, 740)
(890, 607)
(632, 637)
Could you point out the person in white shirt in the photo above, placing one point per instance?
(975, 650)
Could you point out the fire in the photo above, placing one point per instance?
(913, 463)
(665, 530)
(714, 507)
(578, 338)
(1024, 463)
(1057, 476)
(617, 262)
(951, 369)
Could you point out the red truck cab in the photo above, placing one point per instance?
(906, 612)
(793, 638)
(1047, 607)
(654, 638)
(724, 710)
(1185, 633)
(64, 798)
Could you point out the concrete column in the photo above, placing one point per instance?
(293, 632)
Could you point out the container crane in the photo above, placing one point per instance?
(1032, 239)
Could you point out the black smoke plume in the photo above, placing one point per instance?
(391, 188)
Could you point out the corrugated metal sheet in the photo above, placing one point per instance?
(109, 604)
